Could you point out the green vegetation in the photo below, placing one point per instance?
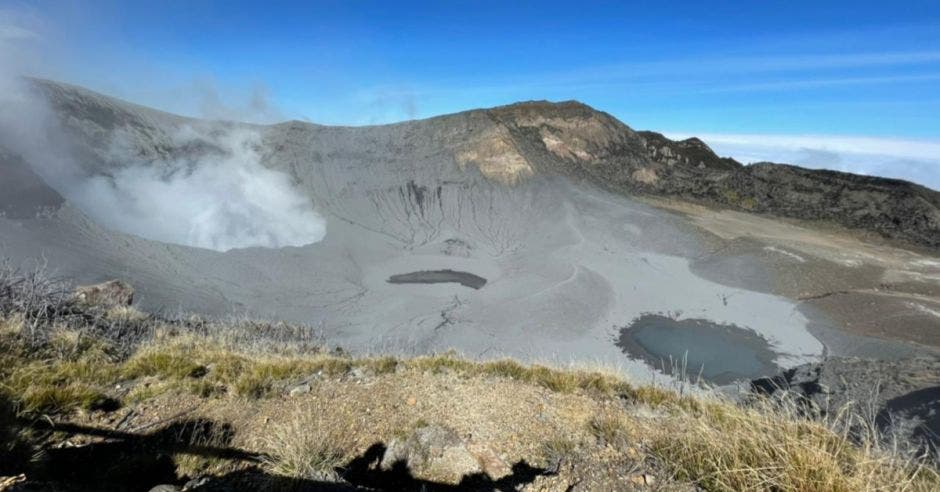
(732, 197)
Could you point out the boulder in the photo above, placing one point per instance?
(904, 394)
(300, 389)
(110, 294)
(12, 483)
(165, 488)
(433, 452)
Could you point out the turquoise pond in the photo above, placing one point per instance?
(719, 353)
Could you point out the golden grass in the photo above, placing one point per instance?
(609, 429)
(724, 447)
(715, 444)
(560, 380)
(311, 444)
(193, 465)
(69, 378)
(162, 364)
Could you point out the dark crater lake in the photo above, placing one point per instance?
(439, 277)
(720, 353)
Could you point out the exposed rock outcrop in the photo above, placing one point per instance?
(901, 395)
(432, 451)
(581, 141)
(110, 294)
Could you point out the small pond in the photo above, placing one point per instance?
(438, 277)
(721, 353)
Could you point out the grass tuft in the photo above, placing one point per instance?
(382, 365)
(609, 429)
(306, 446)
(163, 364)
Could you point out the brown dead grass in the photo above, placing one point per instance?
(726, 447)
(511, 411)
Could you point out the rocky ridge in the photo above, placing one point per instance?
(575, 139)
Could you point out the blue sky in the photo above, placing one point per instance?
(859, 69)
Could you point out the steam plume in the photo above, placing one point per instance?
(222, 199)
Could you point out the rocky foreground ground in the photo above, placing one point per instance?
(97, 395)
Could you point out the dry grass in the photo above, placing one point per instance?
(54, 360)
(68, 375)
(556, 450)
(16, 447)
(206, 435)
(725, 447)
(715, 444)
(610, 428)
(311, 444)
(560, 380)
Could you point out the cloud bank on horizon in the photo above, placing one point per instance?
(917, 161)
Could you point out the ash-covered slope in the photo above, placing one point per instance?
(512, 143)
(529, 200)
(23, 194)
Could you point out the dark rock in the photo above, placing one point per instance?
(113, 293)
(594, 145)
(920, 408)
(433, 451)
(904, 393)
(166, 488)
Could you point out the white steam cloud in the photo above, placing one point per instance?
(224, 200)
(216, 194)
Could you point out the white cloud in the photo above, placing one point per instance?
(16, 33)
(909, 159)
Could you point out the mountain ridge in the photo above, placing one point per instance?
(574, 139)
